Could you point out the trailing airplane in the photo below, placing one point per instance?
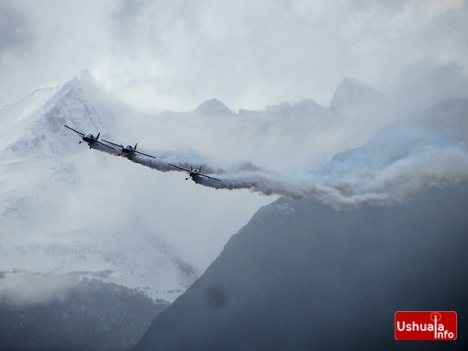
(194, 173)
(89, 138)
(129, 150)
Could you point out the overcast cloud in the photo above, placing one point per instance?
(174, 55)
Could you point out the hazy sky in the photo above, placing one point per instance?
(159, 54)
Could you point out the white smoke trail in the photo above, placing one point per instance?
(401, 179)
(393, 183)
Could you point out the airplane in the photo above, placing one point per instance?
(89, 138)
(194, 173)
(128, 150)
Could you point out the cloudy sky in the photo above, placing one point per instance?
(157, 54)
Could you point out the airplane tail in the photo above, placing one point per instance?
(97, 137)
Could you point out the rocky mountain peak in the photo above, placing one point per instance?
(353, 94)
(214, 107)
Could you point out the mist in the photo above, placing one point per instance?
(158, 56)
(22, 288)
(281, 157)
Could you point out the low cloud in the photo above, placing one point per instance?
(20, 288)
(17, 35)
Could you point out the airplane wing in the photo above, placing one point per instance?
(182, 168)
(110, 142)
(74, 130)
(146, 155)
(99, 142)
(207, 176)
(121, 146)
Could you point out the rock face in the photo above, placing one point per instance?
(302, 276)
(214, 107)
(352, 94)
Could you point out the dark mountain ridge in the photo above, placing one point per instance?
(90, 315)
(302, 276)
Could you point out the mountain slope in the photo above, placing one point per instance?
(91, 315)
(351, 94)
(301, 275)
(54, 216)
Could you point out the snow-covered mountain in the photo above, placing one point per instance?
(65, 208)
(214, 107)
(54, 218)
(351, 94)
(34, 125)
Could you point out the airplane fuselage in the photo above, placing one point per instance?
(127, 151)
(90, 139)
(194, 174)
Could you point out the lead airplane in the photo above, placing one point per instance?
(128, 150)
(89, 138)
(194, 173)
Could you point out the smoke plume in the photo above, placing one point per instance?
(362, 185)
